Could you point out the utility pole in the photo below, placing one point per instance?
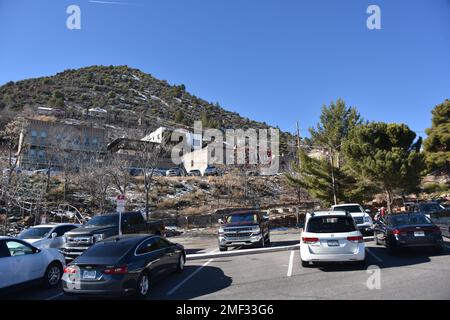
(333, 181)
(298, 136)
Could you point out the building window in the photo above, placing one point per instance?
(32, 153)
(196, 143)
(41, 154)
(192, 163)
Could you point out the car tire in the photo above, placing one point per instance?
(268, 240)
(181, 263)
(262, 243)
(143, 285)
(53, 274)
(392, 250)
(439, 249)
(305, 264)
(360, 264)
(223, 249)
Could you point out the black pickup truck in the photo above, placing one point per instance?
(244, 228)
(104, 226)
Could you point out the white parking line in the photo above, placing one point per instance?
(189, 277)
(374, 255)
(291, 262)
(55, 296)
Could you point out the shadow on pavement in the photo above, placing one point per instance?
(207, 281)
(405, 257)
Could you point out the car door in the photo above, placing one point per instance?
(170, 257)
(8, 275)
(151, 255)
(28, 262)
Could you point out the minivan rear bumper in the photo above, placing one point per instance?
(359, 255)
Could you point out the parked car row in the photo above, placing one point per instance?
(336, 236)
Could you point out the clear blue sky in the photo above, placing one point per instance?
(271, 60)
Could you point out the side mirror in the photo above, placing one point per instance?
(220, 221)
(54, 235)
(368, 211)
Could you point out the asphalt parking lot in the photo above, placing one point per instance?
(417, 274)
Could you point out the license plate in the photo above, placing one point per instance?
(90, 275)
(419, 234)
(333, 243)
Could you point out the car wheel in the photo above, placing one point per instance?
(268, 240)
(392, 250)
(360, 264)
(262, 243)
(439, 249)
(223, 248)
(181, 262)
(53, 274)
(305, 264)
(143, 286)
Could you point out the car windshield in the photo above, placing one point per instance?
(409, 219)
(35, 233)
(250, 217)
(331, 225)
(351, 209)
(103, 221)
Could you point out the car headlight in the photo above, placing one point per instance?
(221, 231)
(98, 237)
(256, 229)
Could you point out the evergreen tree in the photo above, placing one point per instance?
(386, 155)
(437, 145)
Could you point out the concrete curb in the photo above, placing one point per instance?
(234, 253)
(202, 256)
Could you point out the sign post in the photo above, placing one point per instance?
(120, 208)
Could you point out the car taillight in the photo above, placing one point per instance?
(355, 239)
(310, 240)
(70, 270)
(396, 232)
(435, 230)
(118, 270)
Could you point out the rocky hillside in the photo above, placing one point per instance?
(131, 97)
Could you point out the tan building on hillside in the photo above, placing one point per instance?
(55, 143)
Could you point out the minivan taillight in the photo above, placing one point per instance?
(355, 239)
(310, 240)
(118, 270)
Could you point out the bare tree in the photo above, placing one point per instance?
(149, 154)
(94, 177)
(12, 140)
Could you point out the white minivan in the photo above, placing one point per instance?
(331, 236)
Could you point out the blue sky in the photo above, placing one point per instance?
(271, 60)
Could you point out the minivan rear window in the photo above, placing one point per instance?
(331, 225)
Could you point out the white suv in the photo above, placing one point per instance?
(331, 236)
(362, 218)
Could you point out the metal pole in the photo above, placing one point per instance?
(120, 223)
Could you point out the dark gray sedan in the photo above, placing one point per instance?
(398, 231)
(123, 265)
